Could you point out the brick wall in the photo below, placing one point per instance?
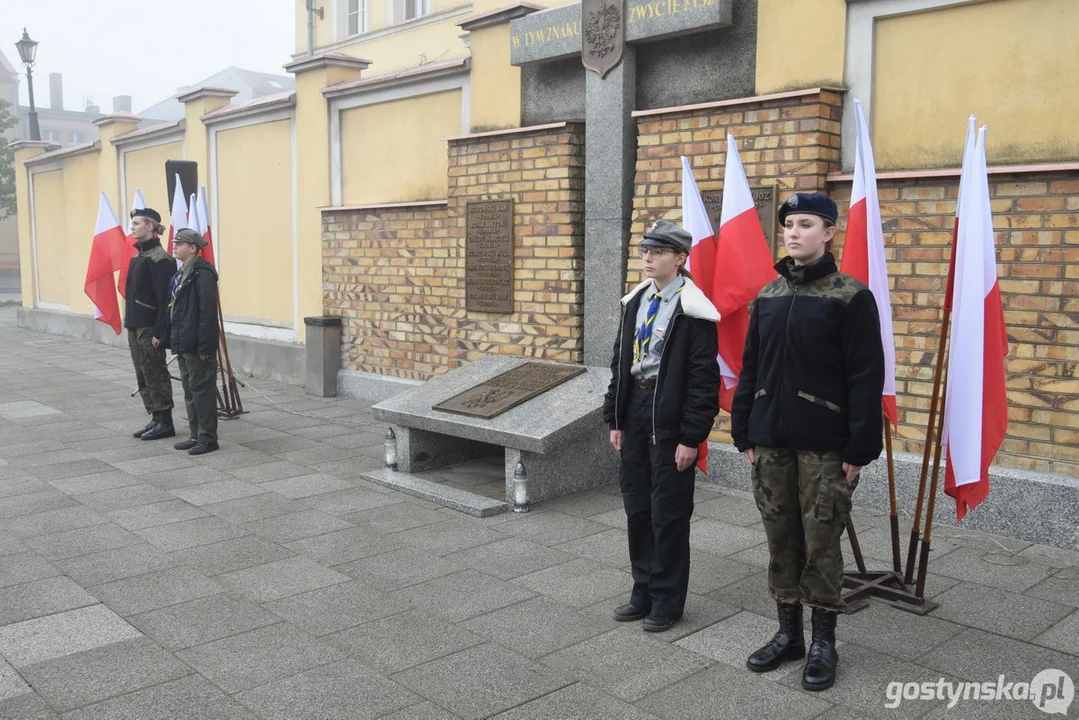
(397, 275)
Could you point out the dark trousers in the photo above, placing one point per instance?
(659, 502)
(200, 396)
(151, 370)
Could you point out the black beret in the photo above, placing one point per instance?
(147, 213)
(809, 204)
(666, 234)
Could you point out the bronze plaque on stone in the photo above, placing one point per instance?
(489, 256)
(603, 34)
(508, 390)
(765, 199)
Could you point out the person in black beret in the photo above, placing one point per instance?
(661, 404)
(807, 417)
(146, 317)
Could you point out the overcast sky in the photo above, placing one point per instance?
(144, 48)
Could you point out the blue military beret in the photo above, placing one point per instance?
(809, 204)
(666, 234)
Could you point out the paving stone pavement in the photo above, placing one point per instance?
(268, 581)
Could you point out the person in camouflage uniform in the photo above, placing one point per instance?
(807, 417)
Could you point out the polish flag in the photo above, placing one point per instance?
(106, 256)
(863, 252)
(204, 226)
(743, 266)
(976, 409)
(121, 283)
(177, 214)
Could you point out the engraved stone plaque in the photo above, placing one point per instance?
(508, 390)
(603, 34)
(765, 199)
(489, 256)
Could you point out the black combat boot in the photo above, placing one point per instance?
(163, 428)
(819, 673)
(787, 644)
(149, 426)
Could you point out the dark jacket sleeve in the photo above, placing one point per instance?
(610, 411)
(702, 384)
(162, 272)
(864, 359)
(206, 290)
(742, 404)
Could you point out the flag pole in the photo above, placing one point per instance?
(927, 538)
(897, 566)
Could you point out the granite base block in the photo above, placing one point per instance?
(585, 463)
(419, 450)
(459, 500)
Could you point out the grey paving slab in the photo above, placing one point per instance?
(231, 555)
(203, 620)
(327, 430)
(462, 595)
(144, 516)
(1062, 636)
(116, 564)
(369, 459)
(95, 538)
(609, 547)
(725, 692)
(11, 546)
(322, 453)
(26, 706)
(352, 439)
(549, 527)
(124, 497)
(353, 500)
(733, 639)
(401, 641)
(307, 485)
(28, 503)
(449, 537)
(586, 504)
(268, 472)
(94, 675)
(252, 432)
(579, 583)
(25, 567)
(700, 612)
(987, 565)
(128, 449)
(190, 698)
(190, 533)
(537, 627)
(256, 507)
(482, 681)
(16, 481)
(51, 522)
(722, 538)
(344, 690)
(627, 663)
(397, 516)
(336, 607)
(186, 477)
(66, 633)
(426, 710)
(280, 579)
(11, 683)
(155, 590)
(280, 445)
(1009, 614)
(578, 702)
(1062, 586)
(257, 657)
(296, 526)
(511, 558)
(893, 631)
(399, 568)
(347, 545)
(215, 492)
(45, 459)
(156, 464)
(41, 597)
(977, 655)
(612, 518)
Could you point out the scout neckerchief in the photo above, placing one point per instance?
(644, 334)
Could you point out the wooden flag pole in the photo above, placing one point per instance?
(896, 564)
(927, 537)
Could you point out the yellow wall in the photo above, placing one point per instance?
(495, 84)
(81, 199)
(255, 223)
(145, 169)
(933, 69)
(51, 238)
(800, 44)
(396, 151)
(400, 50)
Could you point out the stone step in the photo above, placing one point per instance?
(460, 500)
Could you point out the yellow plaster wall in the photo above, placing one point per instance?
(145, 169)
(254, 238)
(51, 238)
(399, 50)
(800, 44)
(1008, 61)
(82, 193)
(396, 151)
(495, 85)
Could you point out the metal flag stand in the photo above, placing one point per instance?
(229, 404)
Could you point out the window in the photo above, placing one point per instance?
(405, 10)
(52, 136)
(75, 138)
(357, 17)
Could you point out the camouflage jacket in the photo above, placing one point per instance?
(813, 368)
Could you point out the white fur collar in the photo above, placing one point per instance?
(694, 302)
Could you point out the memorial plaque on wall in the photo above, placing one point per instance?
(765, 199)
(508, 390)
(489, 256)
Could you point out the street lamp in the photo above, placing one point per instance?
(27, 52)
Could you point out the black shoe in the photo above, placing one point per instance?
(163, 428)
(657, 623)
(149, 426)
(819, 673)
(787, 644)
(628, 613)
(186, 444)
(202, 448)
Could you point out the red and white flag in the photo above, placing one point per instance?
(106, 256)
(204, 226)
(976, 409)
(121, 283)
(863, 252)
(743, 266)
(177, 213)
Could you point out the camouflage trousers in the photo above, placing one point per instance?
(804, 500)
(151, 370)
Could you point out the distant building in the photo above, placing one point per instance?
(249, 85)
